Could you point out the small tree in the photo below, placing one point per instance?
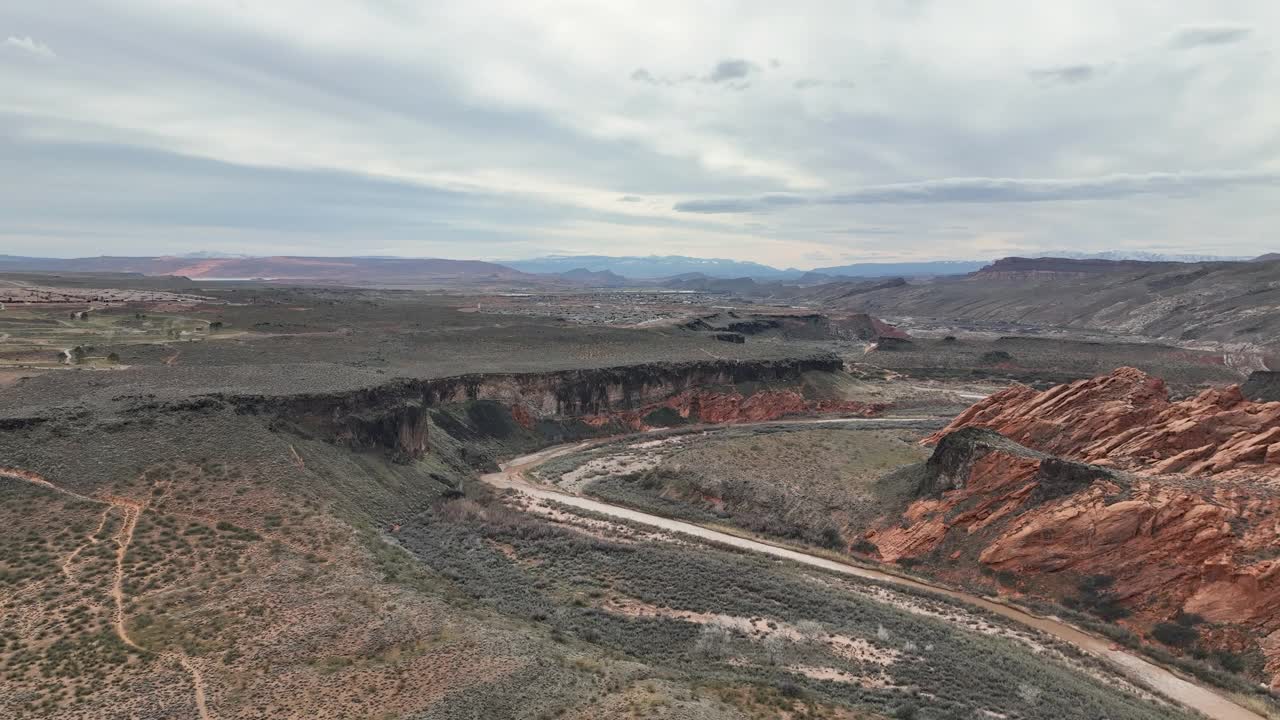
(810, 631)
(713, 641)
(773, 646)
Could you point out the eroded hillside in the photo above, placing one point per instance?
(1107, 495)
(1236, 302)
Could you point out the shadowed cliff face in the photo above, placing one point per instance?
(1170, 542)
(856, 326)
(394, 416)
(1262, 386)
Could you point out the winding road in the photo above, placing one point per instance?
(1192, 695)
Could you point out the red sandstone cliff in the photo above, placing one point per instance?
(732, 406)
(1177, 502)
(1126, 420)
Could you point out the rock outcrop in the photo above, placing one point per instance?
(854, 326)
(1175, 503)
(1125, 419)
(733, 406)
(1050, 267)
(394, 416)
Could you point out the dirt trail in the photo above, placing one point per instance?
(90, 539)
(1178, 689)
(962, 394)
(124, 538)
(33, 478)
(197, 680)
(297, 459)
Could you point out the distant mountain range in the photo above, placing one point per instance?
(909, 269)
(1141, 255)
(563, 270)
(652, 267)
(664, 267)
(386, 271)
(594, 278)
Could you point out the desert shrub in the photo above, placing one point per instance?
(664, 417)
(831, 538)
(1095, 597)
(1175, 634)
(1188, 619)
(865, 546)
(1229, 661)
(790, 690)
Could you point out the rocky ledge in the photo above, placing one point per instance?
(1173, 503)
(1126, 420)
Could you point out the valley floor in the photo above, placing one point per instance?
(1211, 703)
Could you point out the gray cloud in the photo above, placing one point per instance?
(732, 69)
(996, 190)
(1065, 74)
(732, 74)
(630, 199)
(508, 138)
(1192, 36)
(644, 76)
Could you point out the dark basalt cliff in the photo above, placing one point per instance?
(394, 416)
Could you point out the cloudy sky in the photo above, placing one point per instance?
(798, 134)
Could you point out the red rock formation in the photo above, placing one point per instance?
(522, 416)
(703, 406)
(1173, 539)
(884, 329)
(1126, 419)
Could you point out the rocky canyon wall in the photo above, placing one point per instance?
(394, 416)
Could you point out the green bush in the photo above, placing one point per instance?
(1175, 634)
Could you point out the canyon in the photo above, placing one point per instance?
(306, 532)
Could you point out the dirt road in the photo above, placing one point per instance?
(1189, 694)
